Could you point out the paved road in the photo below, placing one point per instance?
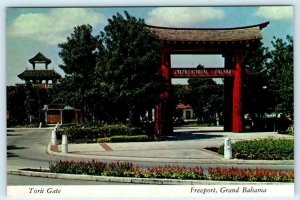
(27, 148)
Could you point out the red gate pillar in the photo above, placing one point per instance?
(163, 111)
(228, 89)
(237, 120)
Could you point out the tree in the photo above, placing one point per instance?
(180, 94)
(255, 86)
(206, 98)
(15, 104)
(79, 54)
(129, 65)
(25, 101)
(269, 87)
(280, 73)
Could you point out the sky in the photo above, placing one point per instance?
(33, 30)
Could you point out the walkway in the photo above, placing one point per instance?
(186, 145)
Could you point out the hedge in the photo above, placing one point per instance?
(123, 138)
(90, 134)
(126, 169)
(262, 149)
(135, 138)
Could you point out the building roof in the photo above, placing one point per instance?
(58, 107)
(209, 34)
(183, 106)
(39, 58)
(39, 74)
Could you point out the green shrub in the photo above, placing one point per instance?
(66, 125)
(262, 149)
(103, 140)
(192, 124)
(28, 125)
(93, 133)
(118, 129)
(70, 131)
(134, 138)
(290, 130)
(78, 135)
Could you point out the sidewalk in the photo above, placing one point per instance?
(186, 145)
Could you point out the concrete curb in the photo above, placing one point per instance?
(182, 160)
(37, 128)
(135, 180)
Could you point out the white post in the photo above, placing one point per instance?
(64, 144)
(153, 115)
(46, 117)
(57, 126)
(61, 117)
(40, 126)
(217, 119)
(53, 137)
(227, 148)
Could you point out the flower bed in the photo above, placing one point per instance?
(126, 169)
(262, 149)
(257, 175)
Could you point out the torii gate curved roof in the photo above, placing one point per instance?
(246, 33)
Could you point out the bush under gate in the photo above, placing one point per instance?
(105, 133)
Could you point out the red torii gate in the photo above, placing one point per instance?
(231, 43)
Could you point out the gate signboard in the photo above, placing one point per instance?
(207, 72)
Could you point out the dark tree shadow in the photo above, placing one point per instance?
(9, 155)
(14, 147)
(17, 134)
(190, 135)
(11, 148)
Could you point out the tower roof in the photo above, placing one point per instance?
(39, 58)
(39, 74)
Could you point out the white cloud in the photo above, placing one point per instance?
(280, 13)
(53, 27)
(183, 16)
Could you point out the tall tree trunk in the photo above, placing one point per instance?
(132, 115)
